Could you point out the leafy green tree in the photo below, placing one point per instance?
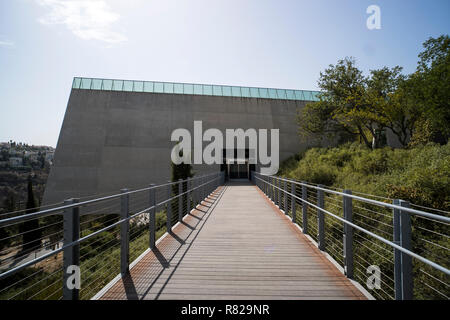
(391, 101)
(431, 84)
(352, 104)
(180, 171)
(339, 108)
(31, 234)
(9, 206)
(315, 119)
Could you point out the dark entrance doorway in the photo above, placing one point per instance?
(237, 168)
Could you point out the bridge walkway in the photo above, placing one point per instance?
(235, 245)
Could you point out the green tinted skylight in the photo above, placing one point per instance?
(189, 88)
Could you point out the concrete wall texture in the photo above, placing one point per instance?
(114, 139)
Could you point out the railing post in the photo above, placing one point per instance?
(397, 256)
(293, 200)
(124, 233)
(200, 183)
(203, 188)
(197, 191)
(320, 219)
(402, 262)
(279, 193)
(193, 192)
(269, 186)
(304, 208)
(208, 187)
(188, 195)
(348, 235)
(266, 186)
(200, 193)
(180, 200)
(152, 216)
(275, 190)
(71, 255)
(285, 198)
(274, 193)
(169, 207)
(263, 184)
(405, 240)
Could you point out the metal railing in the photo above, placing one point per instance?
(410, 247)
(102, 235)
(98, 236)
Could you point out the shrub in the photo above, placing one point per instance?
(420, 175)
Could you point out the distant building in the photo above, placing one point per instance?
(49, 156)
(14, 152)
(15, 162)
(32, 155)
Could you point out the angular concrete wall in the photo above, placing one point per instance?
(111, 140)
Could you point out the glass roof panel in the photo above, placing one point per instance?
(190, 88)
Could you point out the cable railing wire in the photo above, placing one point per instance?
(365, 226)
(97, 234)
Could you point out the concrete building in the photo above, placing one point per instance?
(117, 133)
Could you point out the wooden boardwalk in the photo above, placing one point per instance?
(236, 245)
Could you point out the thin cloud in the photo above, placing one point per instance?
(6, 43)
(86, 19)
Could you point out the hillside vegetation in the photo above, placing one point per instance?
(420, 175)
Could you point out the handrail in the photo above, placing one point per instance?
(390, 243)
(119, 222)
(47, 212)
(371, 201)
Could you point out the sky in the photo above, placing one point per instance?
(280, 44)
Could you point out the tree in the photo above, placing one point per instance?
(353, 105)
(31, 234)
(431, 83)
(344, 105)
(314, 119)
(390, 96)
(9, 206)
(180, 171)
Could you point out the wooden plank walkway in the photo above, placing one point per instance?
(236, 245)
